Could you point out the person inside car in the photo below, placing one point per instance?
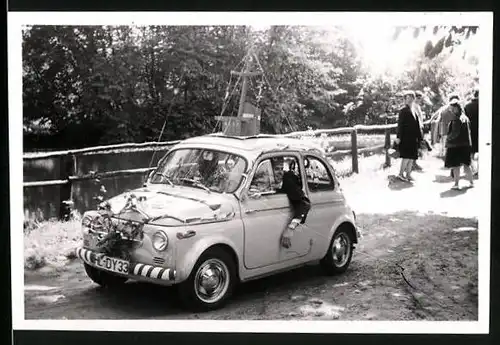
(210, 173)
(289, 183)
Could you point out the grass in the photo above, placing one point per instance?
(51, 243)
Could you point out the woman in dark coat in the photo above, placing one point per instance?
(459, 146)
(409, 136)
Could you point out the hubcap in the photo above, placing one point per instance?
(341, 249)
(211, 281)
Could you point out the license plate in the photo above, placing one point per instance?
(112, 264)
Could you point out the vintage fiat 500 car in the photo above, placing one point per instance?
(211, 216)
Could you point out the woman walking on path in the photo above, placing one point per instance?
(441, 119)
(409, 136)
(458, 146)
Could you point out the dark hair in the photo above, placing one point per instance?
(457, 106)
(419, 94)
(278, 160)
(476, 93)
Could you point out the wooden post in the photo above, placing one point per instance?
(387, 147)
(244, 89)
(67, 168)
(354, 150)
(245, 73)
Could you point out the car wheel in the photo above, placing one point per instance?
(339, 254)
(102, 278)
(211, 281)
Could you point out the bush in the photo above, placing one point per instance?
(51, 243)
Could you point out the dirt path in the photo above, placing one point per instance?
(428, 230)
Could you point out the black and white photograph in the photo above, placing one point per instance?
(198, 171)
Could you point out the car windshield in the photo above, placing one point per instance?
(201, 168)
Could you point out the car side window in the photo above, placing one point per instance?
(318, 175)
(261, 181)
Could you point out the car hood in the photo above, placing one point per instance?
(172, 205)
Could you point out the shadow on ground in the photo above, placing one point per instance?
(453, 192)
(396, 184)
(443, 179)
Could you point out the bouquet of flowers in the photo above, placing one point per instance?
(121, 236)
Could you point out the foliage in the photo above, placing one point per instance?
(448, 37)
(92, 85)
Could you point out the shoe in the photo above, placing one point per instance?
(410, 179)
(455, 188)
(401, 178)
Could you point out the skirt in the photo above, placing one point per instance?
(408, 149)
(457, 156)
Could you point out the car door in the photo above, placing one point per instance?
(327, 200)
(265, 215)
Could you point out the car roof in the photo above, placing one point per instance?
(254, 145)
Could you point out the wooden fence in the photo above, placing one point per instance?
(68, 158)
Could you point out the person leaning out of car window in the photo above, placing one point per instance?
(291, 185)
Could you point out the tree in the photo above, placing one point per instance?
(447, 37)
(89, 85)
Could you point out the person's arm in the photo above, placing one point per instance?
(453, 129)
(436, 116)
(400, 125)
(420, 126)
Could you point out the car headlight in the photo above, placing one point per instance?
(160, 241)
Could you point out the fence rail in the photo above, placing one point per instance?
(99, 149)
(67, 172)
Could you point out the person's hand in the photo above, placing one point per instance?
(286, 241)
(397, 141)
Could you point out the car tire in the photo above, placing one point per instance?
(103, 278)
(215, 266)
(342, 243)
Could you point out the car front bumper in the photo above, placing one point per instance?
(136, 270)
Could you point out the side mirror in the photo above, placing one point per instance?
(148, 178)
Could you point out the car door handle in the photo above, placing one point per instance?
(188, 234)
(249, 211)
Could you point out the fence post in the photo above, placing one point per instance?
(67, 168)
(354, 150)
(387, 147)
